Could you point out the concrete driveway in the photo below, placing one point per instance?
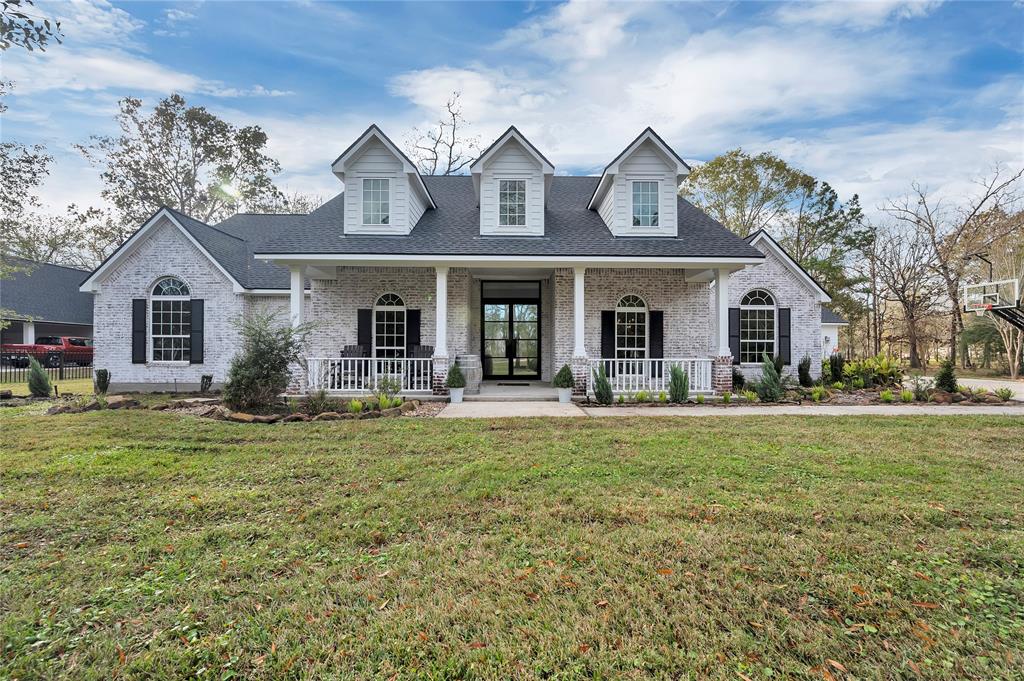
(994, 384)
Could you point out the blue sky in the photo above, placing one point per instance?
(869, 96)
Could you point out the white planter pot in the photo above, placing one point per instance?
(456, 395)
(564, 395)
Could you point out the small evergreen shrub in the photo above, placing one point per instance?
(857, 383)
(750, 396)
(602, 388)
(818, 393)
(101, 383)
(886, 396)
(642, 396)
(779, 364)
(662, 397)
(355, 407)
(804, 372)
(836, 363)
(1005, 394)
(946, 378)
(318, 402)
(259, 371)
(205, 381)
(622, 399)
(738, 379)
(726, 397)
(770, 388)
(838, 385)
(678, 385)
(455, 377)
(38, 379)
(700, 399)
(906, 396)
(384, 402)
(564, 378)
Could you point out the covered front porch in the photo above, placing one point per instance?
(512, 322)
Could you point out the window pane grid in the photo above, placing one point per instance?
(630, 334)
(645, 204)
(376, 205)
(171, 329)
(512, 203)
(389, 327)
(757, 327)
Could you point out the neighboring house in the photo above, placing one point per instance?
(511, 270)
(831, 323)
(40, 299)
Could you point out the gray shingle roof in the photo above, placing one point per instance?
(830, 317)
(453, 228)
(46, 293)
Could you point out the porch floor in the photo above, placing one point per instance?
(511, 390)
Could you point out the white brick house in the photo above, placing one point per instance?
(512, 269)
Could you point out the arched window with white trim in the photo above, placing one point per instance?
(170, 321)
(758, 328)
(631, 330)
(389, 327)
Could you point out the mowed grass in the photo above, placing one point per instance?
(148, 545)
(77, 386)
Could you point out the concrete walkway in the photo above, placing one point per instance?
(490, 410)
(993, 384)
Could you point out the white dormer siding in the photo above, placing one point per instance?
(646, 160)
(512, 162)
(374, 164)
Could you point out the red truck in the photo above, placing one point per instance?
(49, 350)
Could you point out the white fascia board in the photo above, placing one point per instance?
(793, 266)
(91, 285)
(375, 259)
(478, 165)
(271, 292)
(373, 132)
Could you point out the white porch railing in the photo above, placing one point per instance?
(361, 374)
(651, 375)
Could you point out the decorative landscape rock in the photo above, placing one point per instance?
(295, 418)
(6, 394)
(266, 418)
(328, 416)
(121, 402)
(241, 417)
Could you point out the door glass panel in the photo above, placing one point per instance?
(526, 348)
(527, 330)
(495, 330)
(525, 313)
(495, 313)
(511, 331)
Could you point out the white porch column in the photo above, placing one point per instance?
(579, 347)
(298, 278)
(28, 333)
(722, 311)
(441, 319)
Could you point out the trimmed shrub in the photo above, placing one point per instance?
(700, 399)
(38, 379)
(101, 383)
(770, 387)
(642, 396)
(564, 378)
(946, 378)
(455, 378)
(662, 397)
(804, 372)
(259, 372)
(836, 363)
(602, 388)
(355, 407)
(726, 398)
(622, 399)
(678, 385)
(738, 379)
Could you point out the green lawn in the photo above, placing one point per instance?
(148, 545)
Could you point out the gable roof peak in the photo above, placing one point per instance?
(647, 134)
(374, 131)
(512, 132)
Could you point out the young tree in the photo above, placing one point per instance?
(905, 271)
(184, 157)
(444, 148)
(22, 26)
(954, 234)
(743, 192)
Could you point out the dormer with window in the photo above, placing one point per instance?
(637, 192)
(512, 179)
(384, 193)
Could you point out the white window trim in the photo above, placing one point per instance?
(774, 307)
(526, 201)
(362, 203)
(403, 308)
(632, 208)
(150, 345)
(647, 328)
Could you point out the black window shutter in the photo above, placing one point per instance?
(138, 331)
(412, 331)
(608, 339)
(364, 333)
(196, 340)
(734, 334)
(656, 341)
(784, 342)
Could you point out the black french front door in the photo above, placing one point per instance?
(511, 330)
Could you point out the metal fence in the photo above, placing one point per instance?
(62, 365)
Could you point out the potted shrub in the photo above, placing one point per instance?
(456, 383)
(564, 383)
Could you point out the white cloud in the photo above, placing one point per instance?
(92, 22)
(575, 30)
(853, 14)
(173, 16)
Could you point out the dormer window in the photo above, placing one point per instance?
(645, 204)
(376, 201)
(511, 203)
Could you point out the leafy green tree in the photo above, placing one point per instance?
(184, 157)
(22, 26)
(260, 371)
